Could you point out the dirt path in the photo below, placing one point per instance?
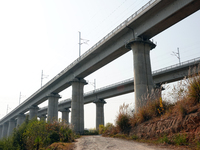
(104, 143)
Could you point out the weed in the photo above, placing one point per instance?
(164, 139)
(180, 140)
(101, 129)
(134, 137)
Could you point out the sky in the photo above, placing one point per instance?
(43, 35)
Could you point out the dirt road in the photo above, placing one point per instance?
(105, 143)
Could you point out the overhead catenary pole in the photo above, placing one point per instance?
(42, 77)
(19, 97)
(179, 58)
(94, 84)
(84, 42)
(79, 43)
(177, 54)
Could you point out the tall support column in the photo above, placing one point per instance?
(33, 112)
(1, 131)
(20, 119)
(43, 117)
(5, 130)
(77, 105)
(52, 112)
(65, 115)
(11, 127)
(99, 112)
(143, 81)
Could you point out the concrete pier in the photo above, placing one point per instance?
(99, 112)
(4, 130)
(52, 111)
(77, 107)
(65, 115)
(1, 130)
(11, 126)
(143, 81)
(43, 117)
(33, 112)
(20, 119)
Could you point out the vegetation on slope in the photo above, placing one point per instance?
(176, 122)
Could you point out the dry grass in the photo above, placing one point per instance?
(61, 146)
(153, 108)
(122, 119)
(194, 86)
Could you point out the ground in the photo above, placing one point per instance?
(98, 142)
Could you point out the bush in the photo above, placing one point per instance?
(101, 129)
(123, 119)
(91, 132)
(194, 86)
(18, 135)
(153, 108)
(108, 130)
(36, 134)
(6, 144)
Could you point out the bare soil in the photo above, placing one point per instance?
(98, 142)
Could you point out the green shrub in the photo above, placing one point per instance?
(123, 123)
(164, 139)
(6, 144)
(18, 137)
(36, 134)
(180, 140)
(101, 129)
(134, 137)
(91, 132)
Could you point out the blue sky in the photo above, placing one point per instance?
(43, 35)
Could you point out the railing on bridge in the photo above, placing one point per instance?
(176, 65)
(154, 72)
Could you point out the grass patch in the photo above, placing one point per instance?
(180, 140)
(164, 139)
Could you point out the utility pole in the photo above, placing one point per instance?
(42, 77)
(177, 54)
(84, 42)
